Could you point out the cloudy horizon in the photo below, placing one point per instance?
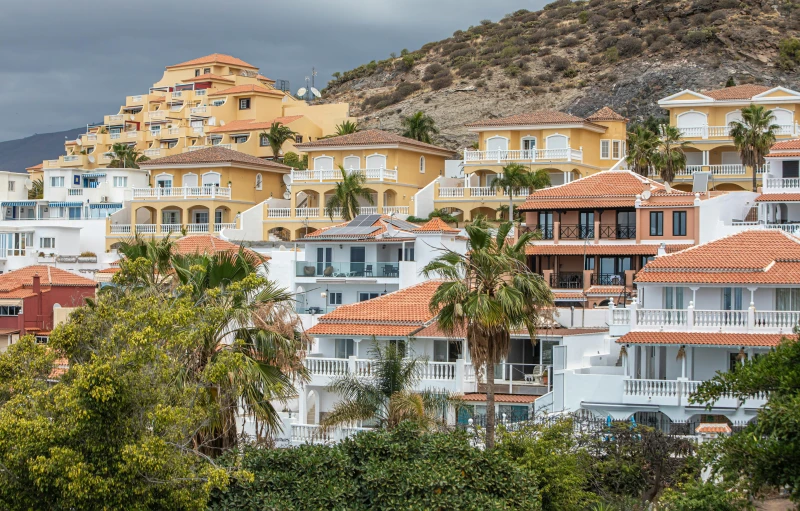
(66, 64)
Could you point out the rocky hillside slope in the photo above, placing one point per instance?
(578, 57)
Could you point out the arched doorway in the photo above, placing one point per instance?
(279, 234)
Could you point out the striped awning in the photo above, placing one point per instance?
(94, 174)
(66, 204)
(29, 203)
(106, 205)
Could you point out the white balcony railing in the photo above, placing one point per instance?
(115, 136)
(219, 227)
(197, 110)
(91, 137)
(71, 158)
(696, 320)
(483, 191)
(677, 393)
(725, 131)
(132, 134)
(565, 154)
(152, 152)
(314, 434)
(377, 174)
(74, 192)
(146, 228)
(177, 94)
(197, 130)
(451, 191)
(116, 118)
(195, 228)
(782, 183)
(200, 92)
(279, 212)
(367, 210)
(363, 367)
(157, 114)
(170, 228)
(398, 210)
(306, 212)
(120, 229)
(181, 192)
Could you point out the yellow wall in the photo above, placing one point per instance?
(242, 181)
(327, 116)
(716, 115)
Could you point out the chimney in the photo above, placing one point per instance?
(37, 284)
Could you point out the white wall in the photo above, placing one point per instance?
(581, 318)
(423, 200)
(453, 168)
(718, 212)
(707, 297)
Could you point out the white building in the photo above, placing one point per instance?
(699, 311)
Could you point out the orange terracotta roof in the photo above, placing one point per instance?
(711, 427)
(252, 124)
(605, 290)
(736, 92)
(60, 367)
(778, 197)
(607, 187)
(214, 155)
(434, 331)
(49, 277)
(109, 270)
(207, 244)
(35, 167)
(786, 145)
(500, 398)
(436, 224)
(247, 89)
(403, 311)
(368, 138)
(606, 114)
(214, 58)
(784, 155)
(569, 296)
(591, 249)
(578, 204)
(265, 79)
(533, 118)
(768, 256)
(210, 76)
(701, 339)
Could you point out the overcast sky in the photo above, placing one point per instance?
(66, 63)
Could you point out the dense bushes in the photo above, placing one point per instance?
(402, 469)
(402, 91)
(789, 55)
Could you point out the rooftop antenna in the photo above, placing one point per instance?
(309, 92)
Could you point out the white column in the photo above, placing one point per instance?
(302, 406)
(706, 159)
(683, 363)
(625, 369)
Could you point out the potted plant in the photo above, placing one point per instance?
(87, 257)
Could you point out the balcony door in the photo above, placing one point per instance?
(546, 224)
(528, 148)
(358, 257)
(324, 258)
(497, 147)
(791, 168)
(626, 225)
(201, 217)
(352, 162)
(190, 180)
(586, 226)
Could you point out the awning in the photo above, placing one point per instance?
(29, 203)
(94, 174)
(105, 205)
(66, 204)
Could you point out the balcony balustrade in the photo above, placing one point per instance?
(725, 131)
(375, 174)
(220, 227)
(151, 153)
(185, 192)
(566, 154)
(618, 232)
(157, 114)
(348, 269)
(576, 232)
(608, 279)
(365, 368)
(566, 280)
(196, 110)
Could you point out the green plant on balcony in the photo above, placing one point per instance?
(753, 136)
(346, 196)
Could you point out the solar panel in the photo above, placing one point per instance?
(350, 231)
(363, 220)
(402, 224)
(700, 182)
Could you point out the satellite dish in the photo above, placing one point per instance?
(315, 92)
(302, 91)
(91, 159)
(27, 184)
(287, 195)
(79, 141)
(287, 179)
(646, 194)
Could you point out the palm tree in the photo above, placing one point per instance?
(515, 177)
(642, 143)
(670, 155)
(346, 194)
(347, 128)
(387, 395)
(126, 156)
(753, 136)
(277, 135)
(490, 292)
(419, 127)
(37, 189)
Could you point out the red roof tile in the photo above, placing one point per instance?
(533, 118)
(368, 138)
(247, 89)
(48, 275)
(207, 244)
(500, 398)
(709, 427)
(786, 145)
(252, 124)
(381, 222)
(701, 339)
(214, 155)
(605, 290)
(569, 296)
(214, 58)
(365, 330)
(778, 197)
(436, 224)
(605, 249)
(606, 114)
(746, 91)
(755, 256)
(783, 155)
(210, 77)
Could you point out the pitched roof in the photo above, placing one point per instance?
(397, 313)
(783, 155)
(368, 138)
(736, 92)
(252, 124)
(712, 427)
(382, 222)
(778, 197)
(207, 244)
(35, 167)
(533, 118)
(209, 76)
(605, 290)
(619, 187)
(265, 79)
(606, 114)
(214, 58)
(18, 283)
(436, 224)
(701, 339)
(244, 89)
(214, 155)
(768, 256)
(786, 145)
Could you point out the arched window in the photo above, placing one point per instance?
(211, 179)
(497, 144)
(692, 120)
(259, 183)
(189, 180)
(735, 116)
(323, 163)
(421, 164)
(163, 181)
(782, 117)
(376, 161)
(352, 162)
(557, 142)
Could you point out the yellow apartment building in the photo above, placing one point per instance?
(704, 118)
(197, 192)
(395, 168)
(567, 146)
(213, 100)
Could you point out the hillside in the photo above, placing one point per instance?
(16, 155)
(577, 57)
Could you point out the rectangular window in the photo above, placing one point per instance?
(679, 223)
(218, 102)
(244, 104)
(263, 141)
(409, 255)
(298, 139)
(589, 264)
(197, 72)
(673, 298)
(10, 310)
(206, 70)
(732, 299)
(344, 348)
(656, 223)
(324, 258)
(47, 243)
(364, 296)
(172, 144)
(335, 298)
(57, 181)
(120, 181)
(546, 224)
(787, 299)
(616, 149)
(605, 151)
(399, 345)
(11, 186)
(586, 227)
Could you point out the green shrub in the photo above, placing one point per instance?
(442, 82)
(789, 53)
(696, 38)
(571, 73)
(698, 496)
(583, 17)
(612, 54)
(629, 46)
